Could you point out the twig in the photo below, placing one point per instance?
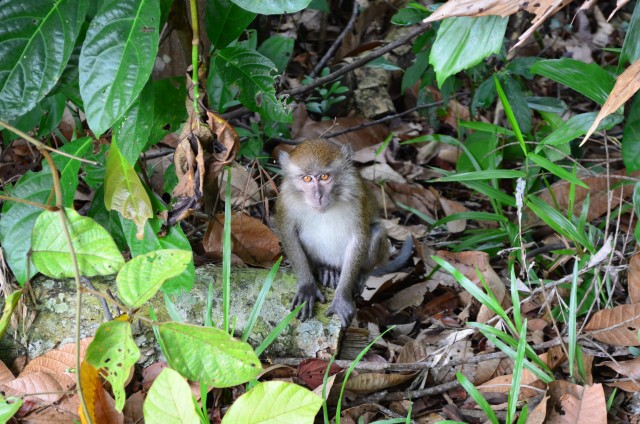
(103, 302)
(382, 120)
(332, 50)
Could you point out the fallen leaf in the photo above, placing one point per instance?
(617, 326)
(633, 282)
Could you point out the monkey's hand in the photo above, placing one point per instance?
(343, 307)
(308, 293)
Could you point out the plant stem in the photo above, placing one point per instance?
(195, 43)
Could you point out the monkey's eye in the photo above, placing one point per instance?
(324, 177)
(307, 178)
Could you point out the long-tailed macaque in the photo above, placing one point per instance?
(328, 223)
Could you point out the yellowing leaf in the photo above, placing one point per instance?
(124, 191)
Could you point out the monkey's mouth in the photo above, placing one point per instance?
(320, 206)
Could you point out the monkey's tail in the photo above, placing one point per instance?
(397, 263)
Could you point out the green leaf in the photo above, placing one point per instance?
(124, 191)
(69, 168)
(173, 239)
(8, 410)
(36, 40)
(463, 42)
(9, 305)
(114, 352)
(631, 136)
(141, 278)
(556, 170)
(477, 397)
(481, 175)
(169, 400)
(252, 73)
(588, 79)
(272, 7)
(225, 22)
(288, 403)
(411, 14)
(208, 355)
(95, 250)
(577, 126)
(16, 223)
(277, 49)
(117, 58)
(416, 70)
(169, 107)
(547, 104)
(558, 222)
(110, 220)
(518, 104)
(631, 46)
(134, 129)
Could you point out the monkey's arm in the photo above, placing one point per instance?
(308, 290)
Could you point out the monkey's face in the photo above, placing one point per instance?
(317, 190)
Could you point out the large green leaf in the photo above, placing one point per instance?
(631, 137)
(288, 403)
(169, 107)
(277, 49)
(577, 126)
(124, 191)
(95, 250)
(463, 42)
(16, 223)
(141, 278)
(208, 355)
(272, 7)
(68, 168)
(117, 58)
(225, 22)
(114, 352)
(252, 73)
(174, 238)
(170, 401)
(36, 40)
(133, 130)
(588, 79)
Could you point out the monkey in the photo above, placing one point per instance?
(328, 223)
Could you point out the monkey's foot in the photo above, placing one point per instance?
(329, 276)
(307, 294)
(343, 308)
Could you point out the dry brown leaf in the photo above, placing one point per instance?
(598, 192)
(584, 405)
(633, 283)
(629, 369)
(63, 412)
(5, 373)
(411, 296)
(132, 410)
(626, 86)
(539, 413)
(400, 232)
(450, 207)
(58, 362)
(372, 382)
(312, 371)
(542, 10)
(467, 263)
(381, 172)
(251, 240)
(415, 196)
(90, 382)
(618, 326)
(39, 386)
(106, 412)
(244, 188)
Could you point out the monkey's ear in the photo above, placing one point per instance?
(284, 159)
(347, 151)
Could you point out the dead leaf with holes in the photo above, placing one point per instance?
(627, 84)
(251, 240)
(617, 326)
